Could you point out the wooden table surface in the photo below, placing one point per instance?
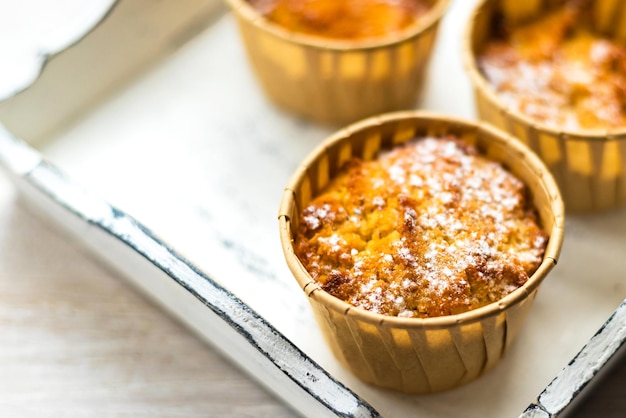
(77, 340)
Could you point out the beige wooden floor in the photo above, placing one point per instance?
(77, 341)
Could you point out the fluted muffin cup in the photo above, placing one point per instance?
(419, 355)
(336, 82)
(589, 165)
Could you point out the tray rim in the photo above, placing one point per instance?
(30, 171)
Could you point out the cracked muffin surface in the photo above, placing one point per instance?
(558, 70)
(427, 229)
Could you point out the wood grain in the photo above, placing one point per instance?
(75, 340)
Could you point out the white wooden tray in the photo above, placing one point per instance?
(175, 178)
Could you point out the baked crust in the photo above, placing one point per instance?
(343, 19)
(427, 229)
(558, 71)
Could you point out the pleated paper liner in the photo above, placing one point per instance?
(406, 354)
(589, 166)
(338, 82)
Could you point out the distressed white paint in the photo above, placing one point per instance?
(196, 153)
(596, 353)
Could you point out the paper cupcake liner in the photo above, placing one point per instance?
(589, 166)
(338, 82)
(406, 354)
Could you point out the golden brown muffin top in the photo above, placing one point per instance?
(343, 19)
(427, 229)
(556, 70)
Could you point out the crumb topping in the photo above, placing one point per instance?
(427, 229)
(557, 70)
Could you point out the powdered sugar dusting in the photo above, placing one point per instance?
(427, 229)
(558, 70)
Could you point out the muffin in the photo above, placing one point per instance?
(420, 257)
(555, 76)
(343, 19)
(427, 229)
(338, 62)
